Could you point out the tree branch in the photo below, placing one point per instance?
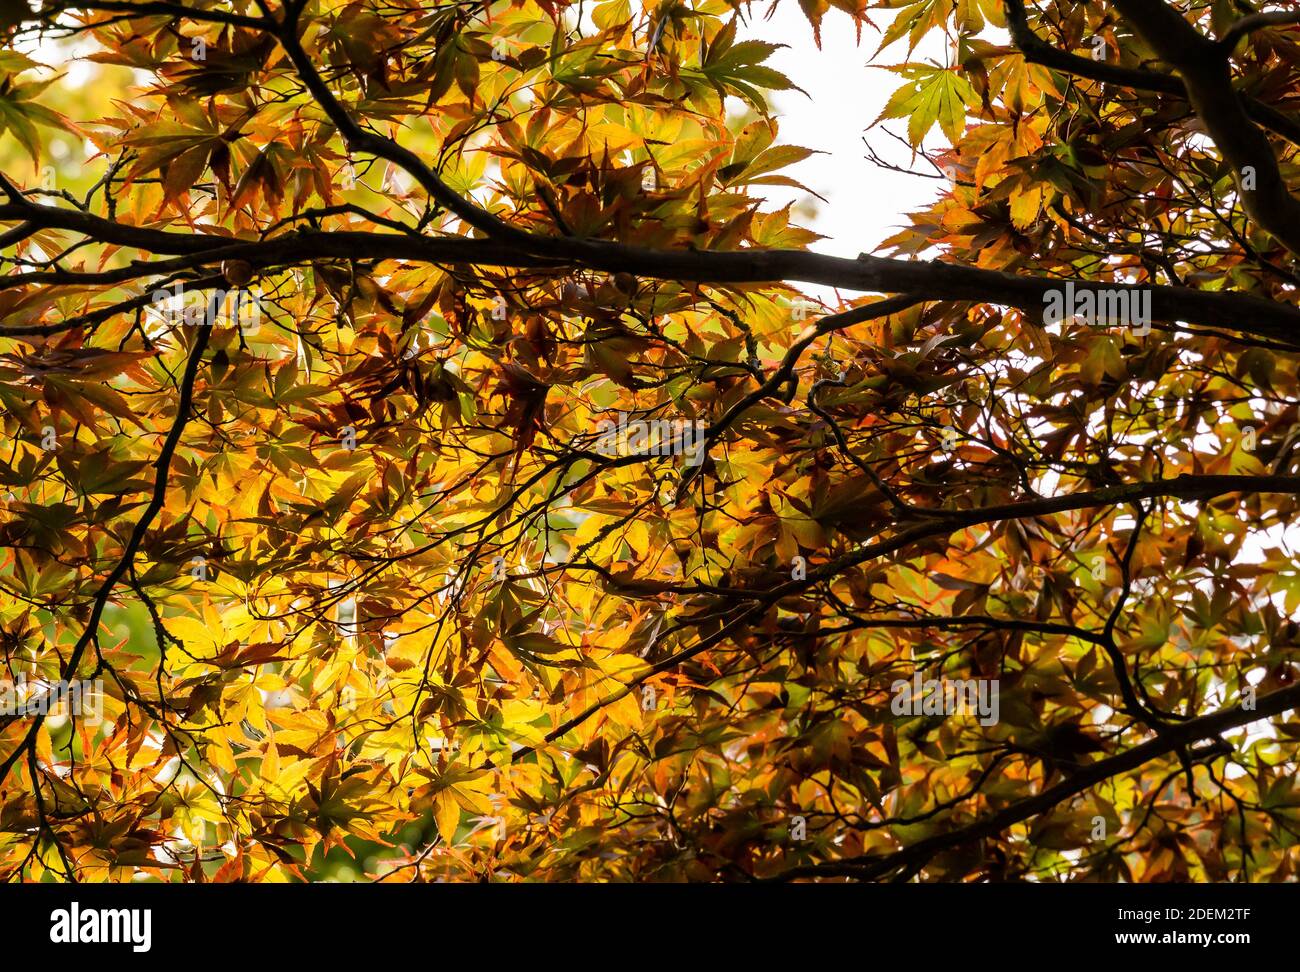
(923, 279)
(1206, 73)
(163, 466)
(1038, 51)
(1254, 22)
(915, 856)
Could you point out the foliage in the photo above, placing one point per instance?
(369, 596)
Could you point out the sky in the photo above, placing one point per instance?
(865, 203)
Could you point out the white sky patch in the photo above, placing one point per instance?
(864, 203)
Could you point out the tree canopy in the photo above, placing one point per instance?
(449, 465)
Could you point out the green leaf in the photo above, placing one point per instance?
(932, 95)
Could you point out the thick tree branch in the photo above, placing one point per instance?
(924, 279)
(1207, 74)
(1038, 51)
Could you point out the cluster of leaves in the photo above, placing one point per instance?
(368, 600)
